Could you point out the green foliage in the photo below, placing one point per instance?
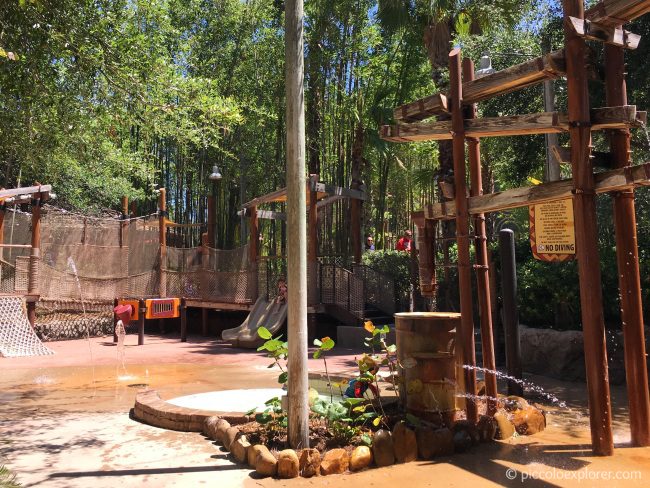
(277, 350)
(346, 419)
(7, 478)
(397, 266)
(273, 419)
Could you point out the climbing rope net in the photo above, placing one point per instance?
(16, 335)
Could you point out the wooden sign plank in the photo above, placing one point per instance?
(617, 12)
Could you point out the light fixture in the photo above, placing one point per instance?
(485, 66)
(215, 175)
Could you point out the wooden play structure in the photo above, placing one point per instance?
(603, 22)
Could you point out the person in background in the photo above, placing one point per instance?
(404, 244)
(370, 243)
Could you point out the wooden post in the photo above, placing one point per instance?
(142, 311)
(627, 257)
(183, 312)
(462, 235)
(162, 237)
(124, 224)
(584, 205)
(204, 322)
(35, 257)
(480, 246)
(298, 411)
(212, 221)
(510, 314)
(3, 208)
(254, 240)
(115, 302)
(312, 241)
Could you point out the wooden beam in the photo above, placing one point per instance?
(608, 181)
(329, 200)
(510, 79)
(24, 191)
(599, 159)
(515, 125)
(264, 214)
(609, 34)
(617, 12)
(337, 190)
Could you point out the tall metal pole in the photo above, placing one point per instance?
(510, 315)
(480, 245)
(627, 256)
(298, 412)
(462, 235)
(584, 206)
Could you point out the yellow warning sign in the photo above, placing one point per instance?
(552, 231)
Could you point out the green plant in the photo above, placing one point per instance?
(346, 419)
(325, 344)
(377, 340)
(272, 418)
(277, 350)
(7, 478)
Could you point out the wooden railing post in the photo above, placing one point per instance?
(584, 205)
(35, 257)
(627, 257)
(462, 235)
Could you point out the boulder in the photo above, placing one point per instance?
(232, 433)
(265, 462)
(470, 428)
(210, 427)
(432, 443)
(220, 429)
(309, 462)
(554, 353)
(335, 461)
(382, 448)
(505, 428)
(288, 464)
(239, 449)
(528, 421)
(405, 445)
(514, 402)
(360, 458)
(487, 428)
(252, 452)
(462, 441)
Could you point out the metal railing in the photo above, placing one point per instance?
(379, 289)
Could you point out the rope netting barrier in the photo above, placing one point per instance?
(17, 338)
(95, 260)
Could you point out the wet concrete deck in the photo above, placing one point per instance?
(64, 423)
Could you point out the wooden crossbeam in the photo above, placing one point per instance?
(599, 159)
(337, 190)
(609, 34)
(25, 191)
(328, 201)
(505, 81)
(264, 214)
(608, 181)
(617, 12)
(516, 125)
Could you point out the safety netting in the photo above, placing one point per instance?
(17, 338)
(85, 263)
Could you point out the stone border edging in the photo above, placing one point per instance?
(153, 410)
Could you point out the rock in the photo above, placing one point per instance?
(210, 427)
(265, 462)
(505, 428)
(239, 449)
(470, 428)
(528, 421)
(382, 448)
(462, 441)
(424, 436)
(405, 445)
(487, 428)
(444, 442)
(309, 462)
(335, 461)
(360, 458)
(514, 402)
(220, 430)
(252, 452)
(288, 464)
(554, 353)
(232, 433)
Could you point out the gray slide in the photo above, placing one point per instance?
(268, 314)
